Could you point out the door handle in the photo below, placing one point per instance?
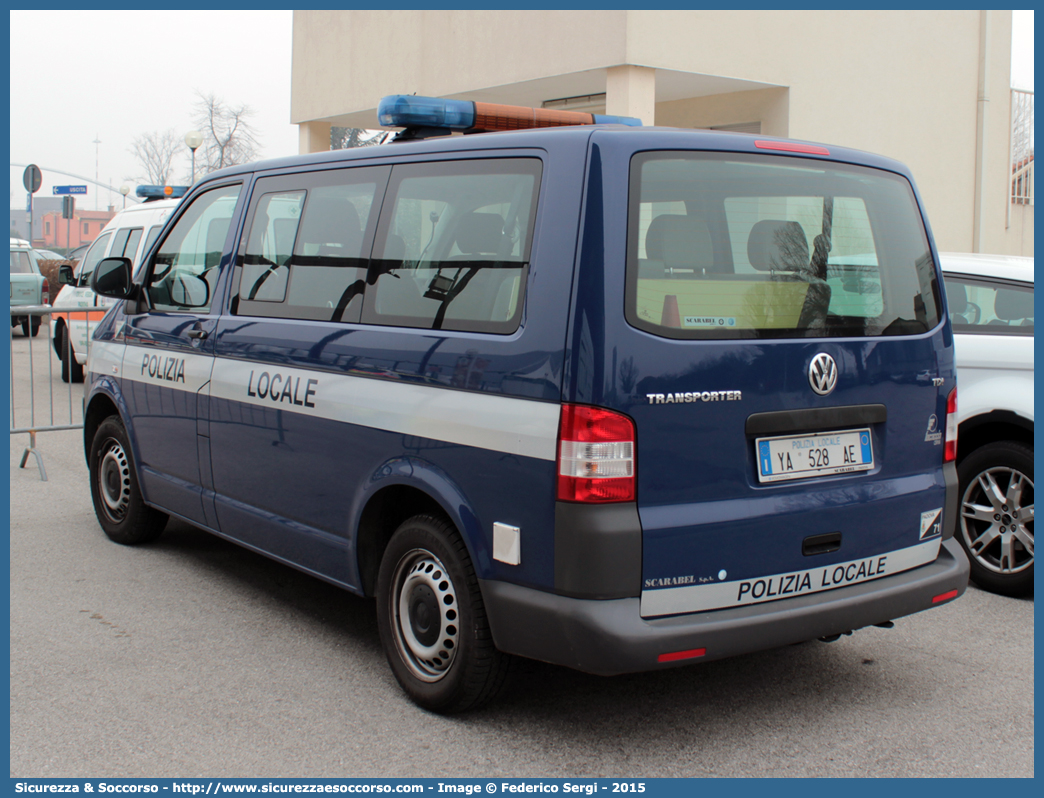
(198, 334)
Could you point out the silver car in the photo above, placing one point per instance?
(990, 299)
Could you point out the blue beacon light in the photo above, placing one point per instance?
(410, 111)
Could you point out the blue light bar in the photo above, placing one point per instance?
(412, 112)
(404, 110)
(161, 192)
(630, 121)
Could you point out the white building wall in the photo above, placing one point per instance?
(905, 84)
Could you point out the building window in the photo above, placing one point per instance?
(47, 228)
(86, 228)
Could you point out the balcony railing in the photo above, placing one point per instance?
(1021, 147)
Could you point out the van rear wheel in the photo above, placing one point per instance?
(118, 504)
(432, 620)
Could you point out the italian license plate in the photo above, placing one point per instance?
(803, 456)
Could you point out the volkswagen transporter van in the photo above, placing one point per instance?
(612, 397)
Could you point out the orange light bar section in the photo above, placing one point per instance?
(791, 146)
(493, 116)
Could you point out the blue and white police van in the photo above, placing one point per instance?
(612, 397)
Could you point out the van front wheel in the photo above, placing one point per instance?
(121, 510)
(432, 620)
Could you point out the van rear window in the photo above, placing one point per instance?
(726, 245)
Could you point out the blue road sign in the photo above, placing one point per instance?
(70, 189)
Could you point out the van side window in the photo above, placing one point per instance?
(131, 250)
(150, 239)
(184, 269)
(125, 243)
(270, 246)
(90, 259)
(453, 244)
(306, 252)
(119, 242)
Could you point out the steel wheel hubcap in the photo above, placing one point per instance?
(114, 482)
(426, 615)
(997, 520)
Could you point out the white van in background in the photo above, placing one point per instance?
(128, 234)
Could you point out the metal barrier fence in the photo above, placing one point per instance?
(41, 399)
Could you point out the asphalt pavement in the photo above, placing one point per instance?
(192, 657)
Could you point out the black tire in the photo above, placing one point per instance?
(121, 511)
(56, 338)
(72, 371)
(432, 620)
(996, 521)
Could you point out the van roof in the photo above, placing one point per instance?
(120, 219)
(651, 137)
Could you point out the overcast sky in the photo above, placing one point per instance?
(78, 77)
(134, 72)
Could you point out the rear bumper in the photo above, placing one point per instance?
(609, 637)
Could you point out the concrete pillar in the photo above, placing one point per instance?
(313, 137)
(631, 91)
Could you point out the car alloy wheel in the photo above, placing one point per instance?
(997, 520)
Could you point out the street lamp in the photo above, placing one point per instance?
(125, 190)
(192, 140)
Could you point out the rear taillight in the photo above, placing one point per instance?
(595, 455)
(46, 292)
(950, 452)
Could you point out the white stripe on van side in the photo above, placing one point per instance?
(488, 421)
(105, 358)
(721, 595)
(170, 368)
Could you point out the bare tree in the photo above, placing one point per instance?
(155, 152)
(228, 138)
(343, 138)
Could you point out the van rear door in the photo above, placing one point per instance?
(786, 363)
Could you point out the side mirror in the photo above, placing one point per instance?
(65, 274)
(189, 291)
(112, 278)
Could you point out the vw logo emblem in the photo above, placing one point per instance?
(822, 374)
